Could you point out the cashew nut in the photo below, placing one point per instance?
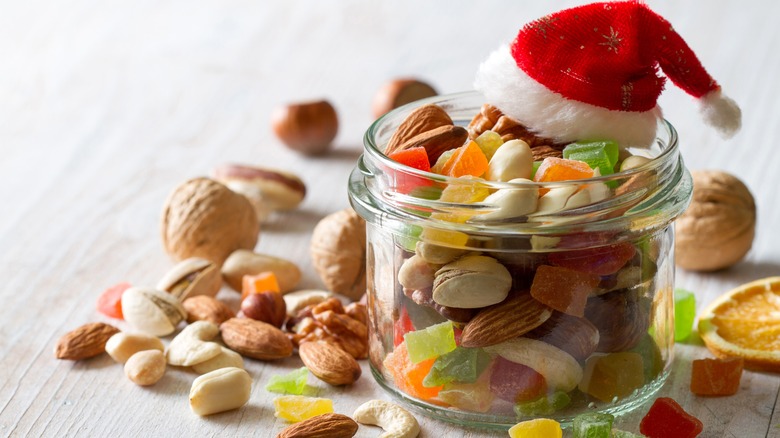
(512, 202)
(560, 369)
(396, 421)
(190, 347)
(512, 159)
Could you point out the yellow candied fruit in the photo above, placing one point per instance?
(538, 428)
(295, 408)
(454, 239)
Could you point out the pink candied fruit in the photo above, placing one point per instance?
(563, 289)
(605, 260)
(667, 419)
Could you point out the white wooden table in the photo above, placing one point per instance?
(106, 106)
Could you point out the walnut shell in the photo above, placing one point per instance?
(203, 218)
(338, 251)
(717, 229)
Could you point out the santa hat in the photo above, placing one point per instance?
(592, 72)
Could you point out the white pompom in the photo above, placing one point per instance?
(721, 112)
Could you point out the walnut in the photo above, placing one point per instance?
(203, 218)
(717, 229)
(329, 321)
(338, 252)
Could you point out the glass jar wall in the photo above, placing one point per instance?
(484, 319)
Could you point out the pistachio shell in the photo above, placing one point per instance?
(191, 277)
(472, 282)
(152, 311)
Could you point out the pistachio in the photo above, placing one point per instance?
(152, 311)
(471, 282)
(415, 273)
(191, 277)
(437, 254)
(245, 262)
(511, 202)
(512, 160)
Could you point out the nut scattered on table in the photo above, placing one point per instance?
(244, 262)
(338, 251)
(322, 426)
(152, 311)
(255, 339)
(145, 367)
(295, 301)
(192, 345)
(329, 363)
(718, 228)
(395, 420)
(220, 390)
(267, 189)
(227, 358)
(203, 218)
(399, 92)
(329, 321)
(191, 277)
(307, 127)
(205, 308)
(85, 341)
(123, 345)
(267, 306)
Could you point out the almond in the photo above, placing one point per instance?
(322, 426)
(255, 339)
(438, 140)
(424, 118)
(576, 336)
(206, 308)
(329, 363)
(86, 341)
(504, 321)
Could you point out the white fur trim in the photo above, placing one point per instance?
(721, 112)
(551, 115)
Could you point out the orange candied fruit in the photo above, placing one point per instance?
(109, 303)
(560, 169)
(716, 376)
(264, 281)
(563, 289)
(467, 160)
(409, 376)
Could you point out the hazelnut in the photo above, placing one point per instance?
(399, 92)
(267, 189)
(203, 218)
(338, 251)
(267, 306)
(307, 127)
(717, 229)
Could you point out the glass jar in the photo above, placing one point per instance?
(485, 319)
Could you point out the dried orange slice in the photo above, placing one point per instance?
(745, 322)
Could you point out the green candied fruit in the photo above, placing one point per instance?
(489, 142)
(462, 365)
(544, 405)
(616, 433)
(431, 342)
(438, 167)
(652, 362)
(409, 236)
(684, 313)
(593, 425)
(534, 167)
(293, 382)
(426, 192)
(602, 155)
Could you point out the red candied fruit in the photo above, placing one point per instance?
(109, 303)
(515, 382)
(605, 260)
(667, 419)
(402, 326)
(412, 157)
(563, 289)
(716, 376)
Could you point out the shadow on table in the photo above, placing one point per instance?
(747, 271)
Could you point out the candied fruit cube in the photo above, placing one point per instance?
(467, 160)
(616, 433)
(716, 376)
(293, 382)
(603, 260)
(489, 142)
(402, 326)
(295, 408)
(563, 289)
(430, 342)
(438, 167)
(547, 404)
(593, 425)
(613, 375)
(409, 376)
(475, 397)
(651, 356)
(413, 157)
(109, 303)
(462, 365)
(264, 281)
(667, 419)
(684, 313)
(602, 155)
(559, 169)
(516, 382)
(538, 428)
(465, 193)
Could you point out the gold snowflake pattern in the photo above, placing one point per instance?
(613, 40)
(543, 24)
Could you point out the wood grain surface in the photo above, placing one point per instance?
(105, 106)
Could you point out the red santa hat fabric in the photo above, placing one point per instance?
(594, 71)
